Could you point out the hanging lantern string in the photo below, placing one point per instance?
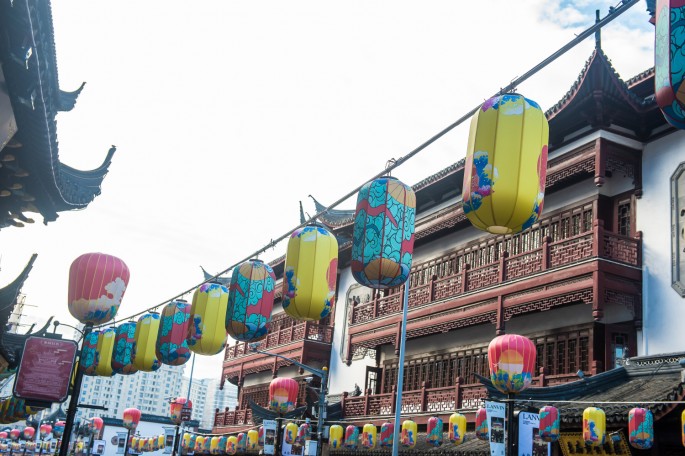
(538, 401)
(622, 7)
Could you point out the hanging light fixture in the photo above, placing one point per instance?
(28, 433)
(144, 354)
(131, 418)
(369, 436)
(383, 237)
(223, 442)
(549, 424)
(457, 429)
(311, 270)
(172, 346)
(482, 431)
(304, 433)
(88, 361)
(434, 429)
(206, 444)
(641, 428)
(409, 433)
(283, 394)
(44, 431)
(506, 165)
(594, 426)
(207, 332)
(97, 283)
(250, 301)
(668, 77)
(290, 433)
(335, 436)
(122, 360)
(252, 440)
(512, 362)
(105, 351)
(387, 434)
(351, 437)
(232, 445)
(260, 436)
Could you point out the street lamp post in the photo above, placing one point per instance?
(323, 375)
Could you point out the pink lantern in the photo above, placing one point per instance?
(3, 435)
(131, 418)
(14, 434)
(176, 408)
(58, 429)
(95, 425)
(283, 394)
(97, 283)
(28, 433)
(512, 362)
(45, 430)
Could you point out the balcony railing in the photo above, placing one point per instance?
(299, 332)
(452, 275)
(434, 400)
(232, 417)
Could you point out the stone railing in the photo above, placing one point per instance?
(296, 333)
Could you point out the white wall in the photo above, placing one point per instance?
(145, 429)
(662, 329)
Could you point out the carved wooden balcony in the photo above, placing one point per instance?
(302, 342)
(567, 257)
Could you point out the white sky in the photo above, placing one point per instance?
(226, 114)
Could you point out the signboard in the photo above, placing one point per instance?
(270, 427)
(99, 447)
(45, 369)
(121, 441)
(186, 413)
(530, 443)
(496, 412)
(169, 435)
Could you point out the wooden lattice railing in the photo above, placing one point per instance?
(298, 332)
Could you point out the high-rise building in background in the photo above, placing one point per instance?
(150, 392)
(207, 397)
(226, 398)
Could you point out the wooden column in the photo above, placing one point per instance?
(600, 162)
(457, 393)
(499, 330)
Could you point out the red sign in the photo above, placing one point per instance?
(45, 369)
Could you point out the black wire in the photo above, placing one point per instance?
(623, 6)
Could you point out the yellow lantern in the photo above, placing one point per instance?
(145, 353)
(214, 445)
(311, 268)
(290, 433)
(369, 436)
(409, 432)
(231, 443)
(199, 443)
(252, 440)
(594, 426)
(207, 330)
(160, 442)
(457, 428)
(506, 165)
(335, 436)
(186, 441)
(134, 444)
(105, 350)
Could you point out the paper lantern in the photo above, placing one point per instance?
(176, 407)
(482, 431)
(161, 441)
(199, 442)
(250, 301)
(311, 271)
(252, 440)
(206, 444)
(668, 61)
(88, 361)
(16, 446)
(506, 165)
(131, 418)
(3, 434)
(97, 283)
(144, 353)
(192, 442)
(154, 444)
(19, 410)
(594, 426)
(641, 428)
(260, 435)
(434, 428)
(682, 427)
(122, 360)
(172, 346)
(383, 237)
(387, 434)
(304, 433)
(214, 445)
(207, 332)
(223, 442)
(290, 433)
(283, 394)
(134, 444)
(369, 436)
(242, 442)
(95, 425)
(409, 433)
(351, 437)
(58, 429)
(14, 434)
(232, 445)
(105, 352)
(512, 362)
(457, 429)
(549, 424)
(44, 431)
(28, 433)
(30, 446)
(335, 436)
(185, 441)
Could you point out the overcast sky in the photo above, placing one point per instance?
(226, 114)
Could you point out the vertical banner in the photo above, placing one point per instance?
(121, 442)
(169, 435)
(530, 443)
(269, 436)
(496, 412)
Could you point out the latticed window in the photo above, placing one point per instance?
(624, 218)
(563, 353)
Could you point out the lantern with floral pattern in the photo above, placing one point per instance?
(668, 61)
(434, 429)
(594, 426)
(172, 346)
(88, 361)
(124, 342)
(250, 300)
(232, 445)
(512, 362)
(144, 354)
(457, 429)
(387, 434)
(105, 351)
(351, 437)
(549, 424)
(641, 428)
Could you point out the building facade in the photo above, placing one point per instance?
(207, 398)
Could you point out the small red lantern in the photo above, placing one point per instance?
(512, 362)
(58, 429)
(3, 435)
(28, 433)
(97, 283)
(482, 431)
(131, 418)
(14, 434)
(283, 394)
(95, 425)
(44, 429)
